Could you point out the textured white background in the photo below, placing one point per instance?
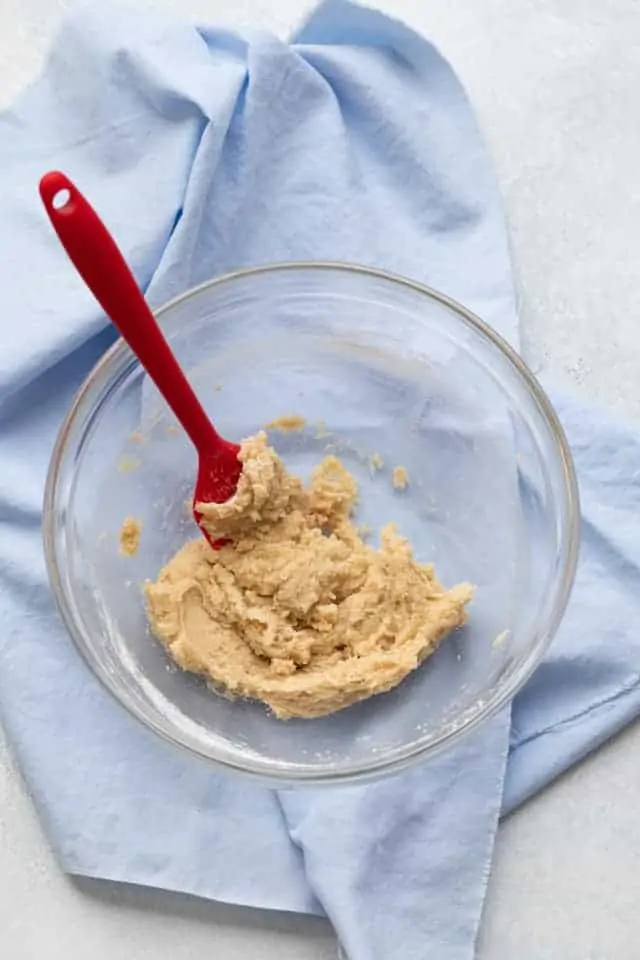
(556, 85)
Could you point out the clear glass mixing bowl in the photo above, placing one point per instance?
(375, 364)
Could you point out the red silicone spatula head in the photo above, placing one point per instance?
(97, 259)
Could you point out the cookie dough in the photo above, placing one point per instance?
(375, 462)
(290, 423)
(130, 536)
(297, 611)
(400, 478)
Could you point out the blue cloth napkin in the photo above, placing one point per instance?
(206, 150)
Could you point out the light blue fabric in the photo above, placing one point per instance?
(589, 684)
(206, 150)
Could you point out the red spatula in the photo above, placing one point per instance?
(98, 260)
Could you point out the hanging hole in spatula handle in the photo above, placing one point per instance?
(89, 245)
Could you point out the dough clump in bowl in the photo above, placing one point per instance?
(297, 610)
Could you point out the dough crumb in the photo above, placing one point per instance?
(400, 478)
(128, 464)
(290, 423)
(172, 430)
(130, 536)
(137, 437)
(296, 610)
(375, 462)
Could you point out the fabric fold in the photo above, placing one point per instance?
(206, 150)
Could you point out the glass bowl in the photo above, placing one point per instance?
(375, 364)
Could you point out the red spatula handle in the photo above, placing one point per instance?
(99, 262)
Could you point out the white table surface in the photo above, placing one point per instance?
(556, 85)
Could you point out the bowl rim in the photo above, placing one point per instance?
(399, 758)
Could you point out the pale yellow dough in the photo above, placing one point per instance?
(290, 423)
(130, 532)
(400, 478)
(297, 611)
